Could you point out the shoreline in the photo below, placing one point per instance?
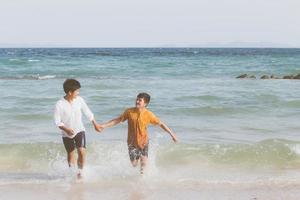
(83, 191)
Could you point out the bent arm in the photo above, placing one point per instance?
(57, 118)
(69, 131)
(59, 123)
(168, 130)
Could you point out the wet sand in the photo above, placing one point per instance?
(115, 191)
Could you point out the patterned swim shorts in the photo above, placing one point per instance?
(135, 152)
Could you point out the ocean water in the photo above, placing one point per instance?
(235, 135)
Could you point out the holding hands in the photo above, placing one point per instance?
(98, 127)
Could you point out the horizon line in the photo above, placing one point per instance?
(148, 47)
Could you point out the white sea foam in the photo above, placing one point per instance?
(46, 77)
(295, 148)
(13, 59)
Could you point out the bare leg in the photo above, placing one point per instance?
(134, 162)
(144, 160)
(81, 157)
(71, 159)
(81, 160)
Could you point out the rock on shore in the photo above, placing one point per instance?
(247, 76)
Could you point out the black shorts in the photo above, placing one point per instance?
(135, 152)
(77, 142)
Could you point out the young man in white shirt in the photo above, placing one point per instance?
(68, 117)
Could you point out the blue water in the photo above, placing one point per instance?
(193, 90)
(232, 132)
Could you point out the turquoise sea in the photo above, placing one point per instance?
(234, 133)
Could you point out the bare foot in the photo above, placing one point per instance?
(142, 171)
(79, 174)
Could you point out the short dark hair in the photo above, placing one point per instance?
(145, 96)
(71, 85)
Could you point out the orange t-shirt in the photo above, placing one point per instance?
(137, 125)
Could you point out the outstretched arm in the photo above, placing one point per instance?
(168, 130)
(114, 122)
(111, 123)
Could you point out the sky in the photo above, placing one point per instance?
(149, 23)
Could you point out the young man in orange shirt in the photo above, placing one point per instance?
(138, 118)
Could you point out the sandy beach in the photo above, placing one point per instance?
(145, 191)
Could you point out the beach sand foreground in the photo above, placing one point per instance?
(91, 191)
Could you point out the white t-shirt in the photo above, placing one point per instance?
(70, 115)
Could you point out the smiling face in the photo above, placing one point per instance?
(142, 100)
(140, 103)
